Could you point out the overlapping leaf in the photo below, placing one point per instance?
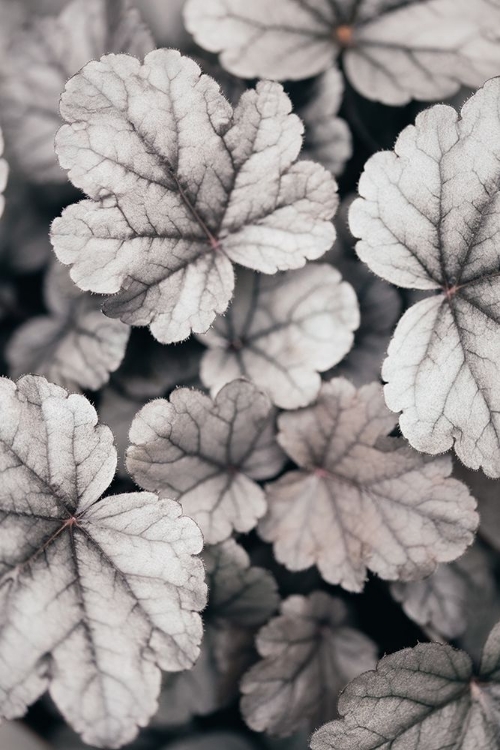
(95, 595)
(281, 331)
(362, 500)
(429, 219)
(424, 698)
(208, 454)
(192, 187)
(75, 346)
(392, 50)
(308, 653)
(42, 55)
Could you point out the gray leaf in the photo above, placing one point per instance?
(242, 594)
(428, 219)
(308, 653)
(212, 741)
(392, 50)
(487, 493)
(42, 55)
(422, 698)
(75, 346)
(24, 231)
(111, 585)
(4, 170)
(447, 603)
(208, 454)
(193, 187)
(280, 332)
(362, 500)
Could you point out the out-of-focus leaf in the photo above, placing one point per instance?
(213, 741)
(428, 219)
(281, 332)
(24, 231)
(4, 171)
(327, 137)
(423, 698)
(208, 455)
(164, 18)
(447, 602)
(75, 345)
(362, 500)
(96, 595)
(13, 736)
(392, 50)
(190, 187)
(487, 493)
(42, 55)
(309, 653)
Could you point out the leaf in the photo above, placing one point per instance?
(16, 737)
(193, 187)
(75, 345)
(379, 304)
(428, 219)
(485, 491)
(423, 698)
(392, 50)
(447, 602)
(112, 586)
(42, 55)
(4, 170)
(24, 231)
(327, 136)
(281, 331)
(361, 500)
(165, 22)
(212, 741)
(208, 454)
(308, 654)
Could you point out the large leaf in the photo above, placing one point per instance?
(95, 595)
(362, 500)
(42, 55)
(308, 653)
(75, 345)
(423, 698)
(392, 50)
(429, 219)
(192, 187)
(208, 454)
(281, 332)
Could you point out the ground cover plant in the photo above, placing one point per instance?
(250, 360)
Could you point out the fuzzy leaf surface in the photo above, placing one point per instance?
(281, 332)
(180, 187)
(111, 584)
(309, 653)
(75, 345)
(392, 50)
(42, 55)
(423, 698)
(362, 500)
(208, 455)
(429, 218)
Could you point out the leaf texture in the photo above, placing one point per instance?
(428, 219)
(193, 187)
(361, 500)
(423, 698)
(41, 56)
(208, 455)
(308, 655)
(95, 595)
(392, 50)
(75, 346)
(281, 331)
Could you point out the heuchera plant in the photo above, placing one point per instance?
(250, 348)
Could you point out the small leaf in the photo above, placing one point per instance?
(42, 55)
(75, 346)
(327, 137)
(423, 698)
(281, 332)
(190, 187)
(428, 219)
(308, 655)
(362, 500)
(208, 454)
(447, 602)
(392, 50)
(111, 584)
